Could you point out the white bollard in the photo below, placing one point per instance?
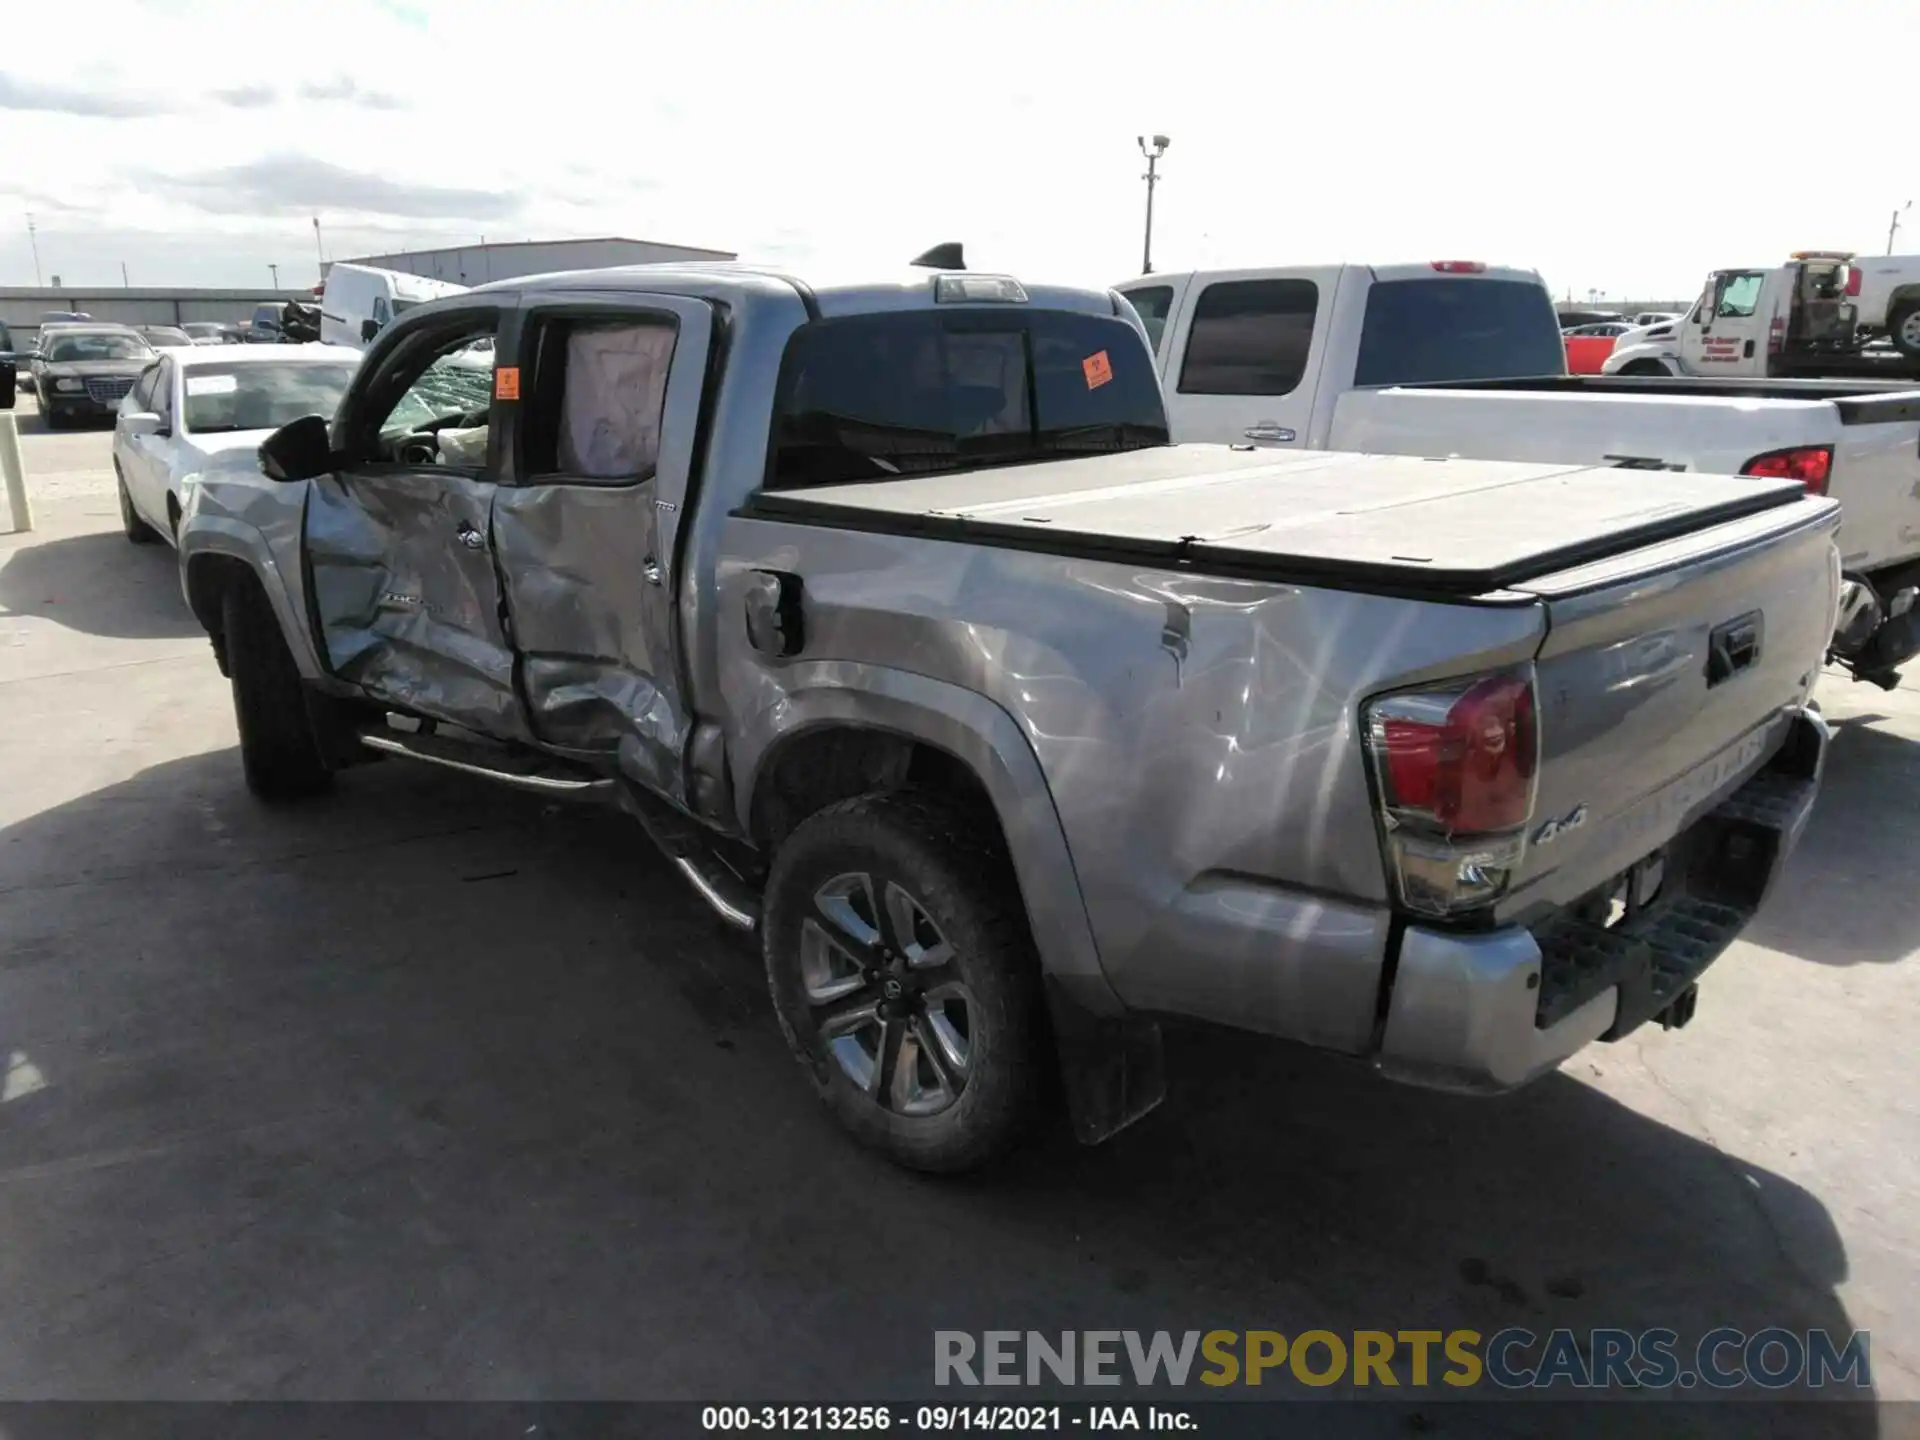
(16, 474)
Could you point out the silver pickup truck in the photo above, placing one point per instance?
(893, 617)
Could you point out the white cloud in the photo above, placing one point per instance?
(1610, 145)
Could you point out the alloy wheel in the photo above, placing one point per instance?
(887, 998)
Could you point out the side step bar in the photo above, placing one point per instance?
(683, 842)
(468, 759)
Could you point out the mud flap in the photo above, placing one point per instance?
(1113, 1069)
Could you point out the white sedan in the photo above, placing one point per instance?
(195, 402)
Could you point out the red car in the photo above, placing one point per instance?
(1588, 346)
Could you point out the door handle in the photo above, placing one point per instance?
(1267, 430)
(470, 537)
(1748, 351)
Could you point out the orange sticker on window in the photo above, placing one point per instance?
(506, 383)
(1099, 369)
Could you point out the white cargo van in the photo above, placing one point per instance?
(358, 301)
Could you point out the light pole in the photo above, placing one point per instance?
(319, 254)
(274, 270)
(33, 239)
(1893, 225)
(1153, 150)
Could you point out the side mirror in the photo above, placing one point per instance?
(369, 329)
(142, 422)
(298, 450)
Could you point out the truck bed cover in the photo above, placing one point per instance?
(1397, 523)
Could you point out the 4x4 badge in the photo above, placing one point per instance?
(1554, 829)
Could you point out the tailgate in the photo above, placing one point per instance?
(1876, 479)
(1664, 682)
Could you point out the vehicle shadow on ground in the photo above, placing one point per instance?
(429, 1089)
(100, 585)
(1848, 896)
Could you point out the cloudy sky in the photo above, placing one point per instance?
(1623, 145)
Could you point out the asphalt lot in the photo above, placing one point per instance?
(435, 1091)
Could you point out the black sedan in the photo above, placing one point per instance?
(82, 371)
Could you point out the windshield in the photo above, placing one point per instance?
(923, 393)
(1454, 329)
(68, 348)
(162, 335)
(261, 396)
(452, 385)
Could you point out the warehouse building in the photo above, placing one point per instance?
(22, 306)
(477, 264)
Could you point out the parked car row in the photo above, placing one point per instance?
(1455, 755)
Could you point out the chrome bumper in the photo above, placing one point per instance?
(1492, 1010)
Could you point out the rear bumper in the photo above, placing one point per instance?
(1492, 1010)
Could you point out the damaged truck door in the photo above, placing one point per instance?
(602, 444)
(406, 603)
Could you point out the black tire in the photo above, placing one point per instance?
(1644, 367)
(278, 750)
(985, 993)
(137, 530)
(1903, 329)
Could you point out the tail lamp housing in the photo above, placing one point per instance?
(1811, 465)
(1454, 768)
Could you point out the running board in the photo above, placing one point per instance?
(680, 839)
(684, 844)
(472, 760)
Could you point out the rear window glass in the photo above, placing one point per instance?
(1250, 337)
(1454, 329)
(925, 392)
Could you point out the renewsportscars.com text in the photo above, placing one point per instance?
(1512, 1359)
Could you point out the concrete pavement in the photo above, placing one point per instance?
(433, 1091)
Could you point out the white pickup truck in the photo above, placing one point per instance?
(1886, 299)
(1458, 358)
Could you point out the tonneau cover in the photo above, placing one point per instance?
(1449, 525)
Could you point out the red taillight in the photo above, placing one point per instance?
(1809, 464)
(1455, 766)
(1460, 267)
(1853, 281)
(1460, 763)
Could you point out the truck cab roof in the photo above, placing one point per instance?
(824, 298)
